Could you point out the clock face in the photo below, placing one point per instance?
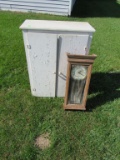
(78, 72)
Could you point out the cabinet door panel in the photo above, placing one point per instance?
(42, 63)
(73, 44)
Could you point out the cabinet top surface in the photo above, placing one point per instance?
(57, 26)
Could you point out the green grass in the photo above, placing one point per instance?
(90, 135)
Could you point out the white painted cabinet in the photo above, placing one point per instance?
(46, 44)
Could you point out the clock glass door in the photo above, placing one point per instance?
(78, 75)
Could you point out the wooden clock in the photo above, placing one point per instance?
(77, 82)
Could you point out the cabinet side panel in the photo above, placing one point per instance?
(73, 44)
(29, 67)
(42, 54)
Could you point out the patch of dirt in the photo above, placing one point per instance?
(42, 141)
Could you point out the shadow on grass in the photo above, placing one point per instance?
(96, 8)
(104, 87)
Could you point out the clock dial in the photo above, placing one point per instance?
(78, 72)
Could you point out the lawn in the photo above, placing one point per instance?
(83, 135)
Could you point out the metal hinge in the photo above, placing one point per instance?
(29, 46)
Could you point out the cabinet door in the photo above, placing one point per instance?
(41, 57)
(73, 44)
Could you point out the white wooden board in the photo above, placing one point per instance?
(42, 58)
(73, 44)
(55, 26)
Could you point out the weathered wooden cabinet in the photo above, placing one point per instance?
(46, 44)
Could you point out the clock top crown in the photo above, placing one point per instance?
(81, 58)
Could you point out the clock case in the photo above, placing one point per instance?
(82, 60)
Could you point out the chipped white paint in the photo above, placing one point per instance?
(46, 44)
(43, 61)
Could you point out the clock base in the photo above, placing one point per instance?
(74, 107)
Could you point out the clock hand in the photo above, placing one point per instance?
(80, 73)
